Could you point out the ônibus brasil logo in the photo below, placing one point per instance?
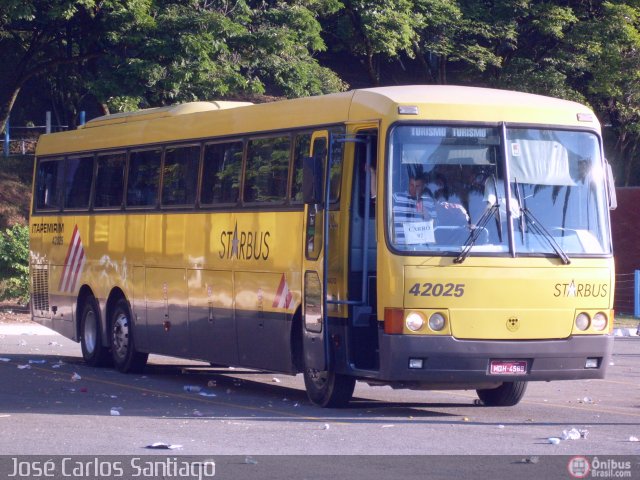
(579, 467)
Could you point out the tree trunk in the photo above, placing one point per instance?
(442, 70)
(104, 108)
(371, 70)
(25, 73)
(7, 100)
(426, 67)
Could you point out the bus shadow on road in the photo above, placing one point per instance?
(54, 384)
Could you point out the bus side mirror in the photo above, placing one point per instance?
(312, 180)
(611, 188)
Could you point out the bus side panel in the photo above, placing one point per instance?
(167, 314)
(67, 261)
(212, 330)
(139, 308)
(263, 330)
(135, 260)
(266, 263)
(107, 257)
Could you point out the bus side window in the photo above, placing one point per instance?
(300, 151)
(144, 174)
(48, 181)
(267, 170)
(221, 173)
(180, 175)
(77, 182)
(360, 158)
(110, 180)
(335, 173)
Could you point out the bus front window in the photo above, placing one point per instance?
(558, 177)
(447, 186)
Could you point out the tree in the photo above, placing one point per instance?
(279, 47)
(374, 31)
(39, 36)
(127, 54)
(468, 34)
(610, 42)
(14, 263)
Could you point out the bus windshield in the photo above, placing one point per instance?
(447, 191)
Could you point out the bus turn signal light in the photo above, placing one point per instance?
(393, 320)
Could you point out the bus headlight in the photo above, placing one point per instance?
(414, 321)
(599, 321)
(437, 322)
(582, 321)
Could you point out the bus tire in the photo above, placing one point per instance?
(123, 349)
(506, 395)
(327, 388)
(93, 352)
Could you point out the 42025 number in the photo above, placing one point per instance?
(437, 289)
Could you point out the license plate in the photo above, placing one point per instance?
(508, 367)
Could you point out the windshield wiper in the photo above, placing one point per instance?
(482, 221)
(539, 228)
(523, 207)
(476, 231)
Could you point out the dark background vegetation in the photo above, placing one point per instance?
(106, 56)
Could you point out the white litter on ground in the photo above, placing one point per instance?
(163, 446)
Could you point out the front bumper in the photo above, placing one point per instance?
(450, 362)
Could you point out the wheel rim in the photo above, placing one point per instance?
(318, 378)
(89, 334)
(121, 336)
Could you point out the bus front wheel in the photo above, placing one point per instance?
(327, 388)
(93, 352)
(506, 395)
(123, 348)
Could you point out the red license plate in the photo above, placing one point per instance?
(508, 367)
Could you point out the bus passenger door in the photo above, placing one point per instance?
(313, 302)
(362, 269)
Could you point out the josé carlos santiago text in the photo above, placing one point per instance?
(135, 467)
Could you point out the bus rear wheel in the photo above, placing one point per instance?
(125, 357)
(506, 395)
(327, 388)
(93, 352)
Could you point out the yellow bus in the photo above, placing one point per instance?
(423, 237)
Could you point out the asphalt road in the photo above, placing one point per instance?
(45, 409)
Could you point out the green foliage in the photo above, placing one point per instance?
(14, 264)
(129, 54)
